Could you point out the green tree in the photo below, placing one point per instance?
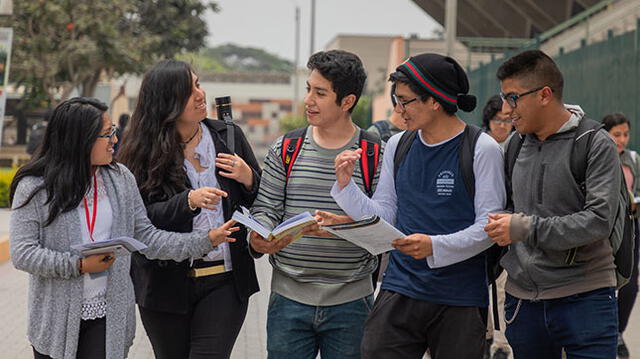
(291, 122)
(361, 115)
(65, 44)
(232, 57)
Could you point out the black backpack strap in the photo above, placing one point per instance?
(403, 148)
(466, 153)
(510, 157)
(370, 145)
(291, 144)
(583, 137)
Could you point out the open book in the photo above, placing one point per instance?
(371, 233)
(292, 225)
(117, 245)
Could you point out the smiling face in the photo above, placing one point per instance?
(416, 114)
(196, 108)
(320, 102)
(525, 116)
(620, 135)
(102, 150)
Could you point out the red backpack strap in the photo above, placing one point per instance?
(370, 145)
(291, 144)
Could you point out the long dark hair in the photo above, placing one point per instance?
(64, 158)
(152, 147)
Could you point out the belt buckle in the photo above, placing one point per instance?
(207, 271)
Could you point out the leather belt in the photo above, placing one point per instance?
(212, 269)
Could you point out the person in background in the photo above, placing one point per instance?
(496, 123)
(389, 127)
(189, 179)
(618, 127)
(83, 307)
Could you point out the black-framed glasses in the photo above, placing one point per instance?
(501, 120)
(110, 135)
(512, 98)
(403, 104)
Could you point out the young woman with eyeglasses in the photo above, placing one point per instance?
(190, 179)
(495, 122)
(72, 192)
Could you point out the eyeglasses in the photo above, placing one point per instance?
(500, 120)
(403, 104)
(110, 135)
(512, 98)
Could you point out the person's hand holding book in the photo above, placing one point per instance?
(261, 245)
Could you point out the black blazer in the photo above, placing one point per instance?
(162, 285)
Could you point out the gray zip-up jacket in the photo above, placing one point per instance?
(552, 216)
(56, 286)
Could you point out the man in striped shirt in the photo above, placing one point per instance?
(321, 286)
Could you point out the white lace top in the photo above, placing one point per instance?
(94, 303)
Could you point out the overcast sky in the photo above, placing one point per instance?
(270, 24)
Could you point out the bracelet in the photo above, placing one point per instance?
(193, 209)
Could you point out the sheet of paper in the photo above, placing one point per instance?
(373, 234)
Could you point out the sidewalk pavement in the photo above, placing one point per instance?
(251, 343)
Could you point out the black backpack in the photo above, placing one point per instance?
(370, 144)
(384, 129)
(622, 234)
(466, 153)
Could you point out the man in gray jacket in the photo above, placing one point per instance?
(561, 276)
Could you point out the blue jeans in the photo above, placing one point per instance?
(296, 330)
(585, 325)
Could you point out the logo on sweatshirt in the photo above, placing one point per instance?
(445, 182)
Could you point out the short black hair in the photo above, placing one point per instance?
(493, 106)
(343, 69)
(614, 119)
(535, 68)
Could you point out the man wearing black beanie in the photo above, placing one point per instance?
(434, 292)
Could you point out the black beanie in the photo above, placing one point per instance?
(442, 78)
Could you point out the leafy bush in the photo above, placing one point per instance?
(6, 176)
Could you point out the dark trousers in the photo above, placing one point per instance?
(208, 330)
(627, 294)
(585, 325)
(403, 327)
(91, 343)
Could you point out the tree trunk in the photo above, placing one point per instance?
(90, 83)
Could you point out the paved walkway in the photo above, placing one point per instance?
(251, 343)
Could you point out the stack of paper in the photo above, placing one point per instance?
(371, 233)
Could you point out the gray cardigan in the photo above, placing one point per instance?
(55, 285)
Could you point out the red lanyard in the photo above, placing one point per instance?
(91, 224)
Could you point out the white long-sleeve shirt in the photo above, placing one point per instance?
(490, 197)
